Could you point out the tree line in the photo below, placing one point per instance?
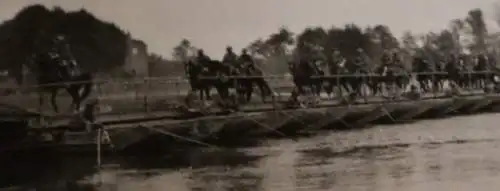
(101, 46)
(373, 40)
(97, 45)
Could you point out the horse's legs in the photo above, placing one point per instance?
(53, 95)
(200, 93)
(87, 89)
(436, 84)
(206, 90)
(329, 87)
(423, 85)
(249, 92)
(376, 88)
(40, 100)
(76, 98)
(346, 85)
(319, 87)
(265, 86)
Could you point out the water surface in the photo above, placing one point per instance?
(454, 154)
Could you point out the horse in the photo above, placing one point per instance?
(391, 76)
(251, 75)
(56, 72)
(360, 75)
(455, 72)
(303, 72)
(420, 66)
(217, 74)
(336, 68)
(193, 71)
(481, 72)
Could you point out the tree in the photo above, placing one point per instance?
(457, 27)
(477, 25)
(348, 41)
(386, 40)
(382, 40)
(279, 42)
(409, 48)
(409, 42)
(95, 44)
(184, 50)
(446, 43)
(311, 42)
(259, 48)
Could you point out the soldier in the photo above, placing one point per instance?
(247, 60)
(201, 58)
(230, 57)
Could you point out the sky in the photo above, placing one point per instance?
(214, 24)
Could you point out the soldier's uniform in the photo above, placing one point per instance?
(247, 60)
(230, 57)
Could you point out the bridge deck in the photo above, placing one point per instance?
(117, 115)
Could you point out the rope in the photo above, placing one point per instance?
(181, 137)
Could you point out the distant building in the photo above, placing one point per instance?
(136, 62)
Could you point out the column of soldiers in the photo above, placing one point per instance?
(236, 64)
(230, 58)
(390, 59)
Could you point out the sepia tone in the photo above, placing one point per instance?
(249, 95)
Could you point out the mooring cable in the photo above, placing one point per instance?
(270, 128)
(180, 137)
(320, 124)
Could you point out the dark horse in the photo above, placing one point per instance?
(250, 76)
(391, 75)
(56, 72)
(336, 69)
(455, 72)
(422, 67)
(306, 74)
(194, 71)
(359, 76)
(212, 73)
(482, 72)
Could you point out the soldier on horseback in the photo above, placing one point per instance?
(57, 69)
(247, 60)
(230, 57)
(61, 52)
(201, 58)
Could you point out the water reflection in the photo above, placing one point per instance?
(45, 172)
(451, 154)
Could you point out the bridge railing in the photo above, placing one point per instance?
(144, 95)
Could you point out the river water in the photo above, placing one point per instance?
(453, 154)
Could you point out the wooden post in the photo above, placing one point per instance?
(433, 81)
(144, 96)
(98, 142)
(471, 87)
(364, 82)
(177, 88)
(98, 157)
(340, 94)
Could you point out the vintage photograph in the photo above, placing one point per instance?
(238, 95)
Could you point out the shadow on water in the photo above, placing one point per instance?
(44, 172)
(195, 158)
(199, 169)
(66, 173)
(384, 158)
